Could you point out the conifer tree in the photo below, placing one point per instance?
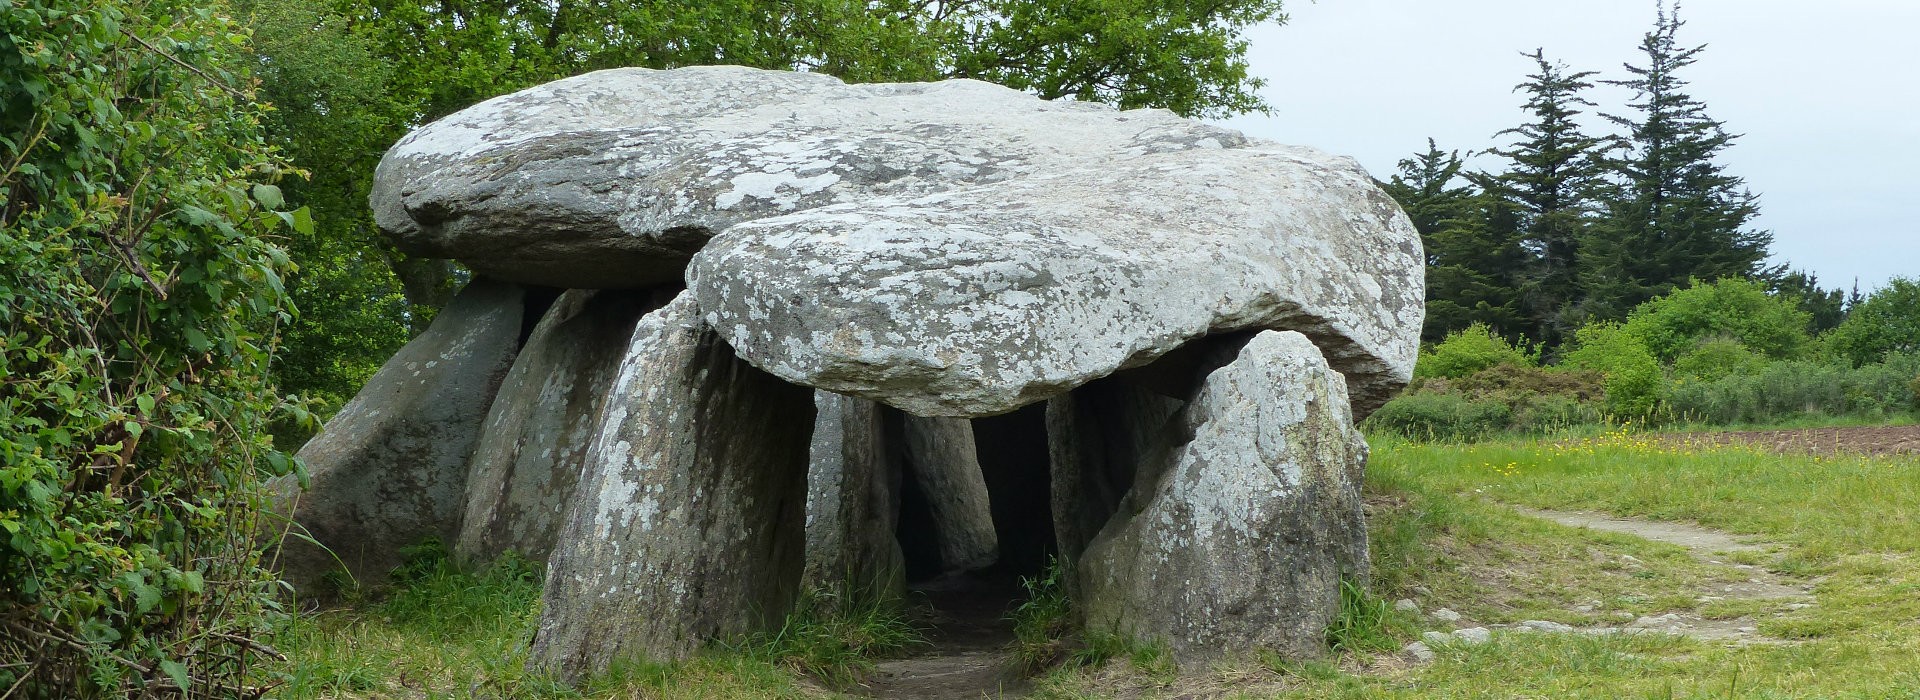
(1676, 214)
(1471, 253)
(1553, 175)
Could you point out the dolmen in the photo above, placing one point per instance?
(736, 334)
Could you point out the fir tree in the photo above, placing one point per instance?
(1676, 215)
(1551, 182)
(1470, 250)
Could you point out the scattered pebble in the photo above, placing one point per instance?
(1474, 635)
(1419, 651)
(1405, 605)
(1799, 606)
(1435, 638)
(1446, 615)
(1545, 626)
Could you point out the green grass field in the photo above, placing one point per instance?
(1444, 535)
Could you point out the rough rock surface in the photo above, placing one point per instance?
(852, 500)
(535, 442)
(951, 248)
(1241, 541)
(942, 460)
(1100, 436)
(389, 469)
(979, 300)
(690, 521)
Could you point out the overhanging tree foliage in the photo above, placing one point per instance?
(140, 300)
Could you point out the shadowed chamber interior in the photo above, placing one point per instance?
(1012, 451)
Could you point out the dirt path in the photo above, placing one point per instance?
(1708, 546)
(967, 656)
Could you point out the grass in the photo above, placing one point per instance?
(443, 632)
(1443, 535)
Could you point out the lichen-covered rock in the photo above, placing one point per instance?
(978, 300)
(952, 248)
(1100, 437)
(390, 469)
(688, 522)
(944, 463)
(1240, 540)
(853, 501)
(535, 442)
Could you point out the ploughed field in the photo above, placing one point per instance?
(1870, 440)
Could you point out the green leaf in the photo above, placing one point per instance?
(269, 196)
(175, 671)
(198, 340)
(300, 220)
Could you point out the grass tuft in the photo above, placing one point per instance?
(834, 638)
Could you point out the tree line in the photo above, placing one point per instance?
(1576, 227)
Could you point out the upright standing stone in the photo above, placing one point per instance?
(529, 458)
(390, 469)
(1100, 436)
(688, 523)
(943, 461)
(853, 501)
(1241, 541)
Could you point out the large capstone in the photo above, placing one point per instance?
(689, 523)
(389, 470)
(534, 446)
(952, 248)
(1237, 537)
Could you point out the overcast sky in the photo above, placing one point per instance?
(1827, 95)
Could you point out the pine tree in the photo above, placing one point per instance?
(1676, 214)
(1470, 249)
(1551, 182)
(1826, 307)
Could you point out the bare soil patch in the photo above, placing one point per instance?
(1869, 440)
(967, 654)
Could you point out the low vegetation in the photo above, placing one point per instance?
(1720, 354)
(1445, 533)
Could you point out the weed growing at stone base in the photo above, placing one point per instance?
(833, 639)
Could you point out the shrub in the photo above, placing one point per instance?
(1718, 357)
(139, 304)
(1468, 351)
(1734, 308)
(1786, 390)
(1440, 416)
(1887, 322)
(1631, 374)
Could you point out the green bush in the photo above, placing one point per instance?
(1735, 308)
(1793, 389)
(140, 299)
(1468, 351)
(1718, 357)
(1441, 416)
(1887, 322)
(1632, 375)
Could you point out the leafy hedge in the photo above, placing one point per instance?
(139, 300)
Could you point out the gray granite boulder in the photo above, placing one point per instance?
(1239, 537)
(944, 463)
(952, 248)
(689, 521)
(534, 445)
(390, 469)
(982, 299)
(853, 502)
